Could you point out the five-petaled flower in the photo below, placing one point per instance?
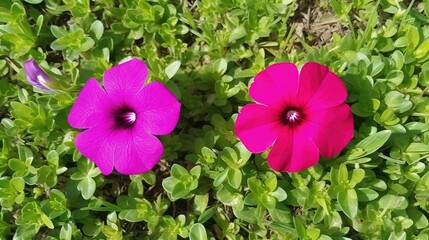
(122, 118)
(299, 113)
(38, 78)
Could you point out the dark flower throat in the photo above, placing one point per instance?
(292, 116)
(124, 117)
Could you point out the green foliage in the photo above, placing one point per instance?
(208, 186)
(181, 183)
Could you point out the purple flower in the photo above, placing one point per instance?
(38, 78)
(122, 118)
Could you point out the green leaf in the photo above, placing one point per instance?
(343, 174)
(178, 171)
(348, 201)
(169, 183)
(313, 233)
(201, 203)
(300, 227)
(87, 44)
(398, 57)
(16, 165)
(280, 194)
(53, 157)
(413, 36)
(237, 33)
(172, 69)
(357, 176)
(244, 154)
(220, 66)
(45, 219)
(25, 232)
(370, 144)
(415, 147)
(25, 154)
(400, 42)
(34, 1)
(196, 171)
(221, 177)
(197, 232)
(149, 177)
(87, 187)
(422, 50)
(230, 157)
(251, 199)
(336, 6)
(255, 185)
(18, 184)
(420, 220)
(234, 177)
(179, 191)
(394, 99)
(271, 182)
(39, 24)
(366, 194)
(395, 77)
(393, 202)
(388, 117)
(268, 201)
(131, 215)
(66, 231)
(376, 68)
(97, 29)
(417, 126)
(206, 215)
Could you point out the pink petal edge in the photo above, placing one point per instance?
(93, 141)
(128, 153)
(90, 108)
(125, 80)
(158, 108)
(333, 129)
(293, 151)
(320, 88)
(257, 127)
(275, 85)
(331, 92)
(138, 154)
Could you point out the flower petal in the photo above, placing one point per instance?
(36, 76)
(96, 144)
(130, 152)
(257, 127)
(137, 154)
(275, 85)
(319, 87)
(333, 129)
(158, 108)
(125, 79)
(293, 151)
(90, 108)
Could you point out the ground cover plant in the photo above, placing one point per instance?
(207, 184)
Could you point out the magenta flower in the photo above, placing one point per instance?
(38, 78)
(301, 114)
(122, 118)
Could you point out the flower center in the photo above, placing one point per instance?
(292, 116)
(130, 117)
(125, 117)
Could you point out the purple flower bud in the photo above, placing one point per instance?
(38, 78)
